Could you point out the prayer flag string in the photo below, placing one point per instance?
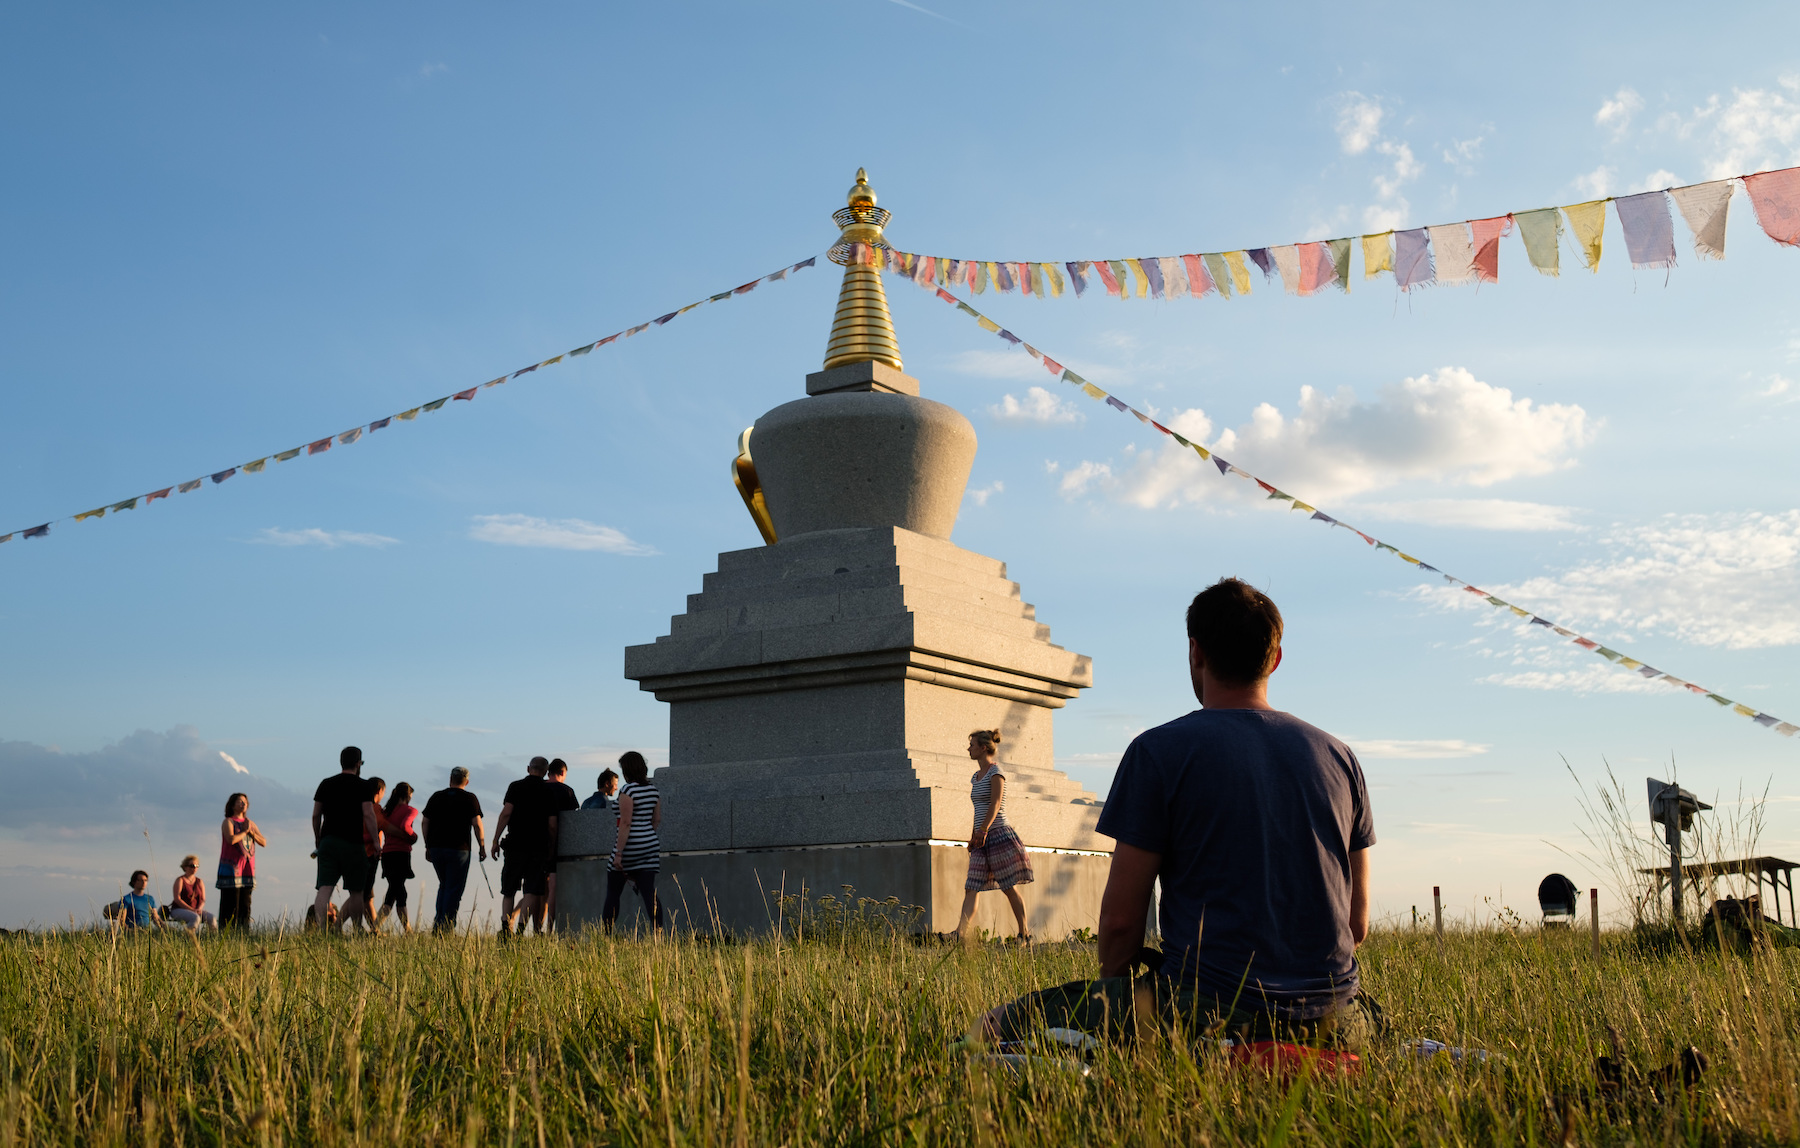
(1449, 254)
(355, 433)
(1314, 514)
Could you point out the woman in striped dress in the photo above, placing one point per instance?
(997, 858)
(638, 854)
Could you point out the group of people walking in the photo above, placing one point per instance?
(363, 834)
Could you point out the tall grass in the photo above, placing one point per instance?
(838, 1038)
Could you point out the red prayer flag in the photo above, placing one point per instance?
(750, 286)
(153, 496)
(1052, 365)
(945, 295)
(1776, 197)
(319, 447)
(1312, 256)
(467, 396)
(1107, 277)
(1487, 236)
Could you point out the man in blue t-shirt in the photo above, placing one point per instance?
(1258, 827)
(137, 909)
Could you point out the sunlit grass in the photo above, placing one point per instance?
(839, 1038)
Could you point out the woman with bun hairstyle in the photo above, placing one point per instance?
(997, 858)
(238, 839)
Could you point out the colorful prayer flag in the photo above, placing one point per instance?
(1412, 259)
(1149, 274)
(1220, 272)
(1649, 231)
(1704, 207)
(379, 423)
(1776, 197)
(1488, 233)
(156, 494)
(658, 321)
(1588, 222)
(404, 415)
(1174, 277)
(806, 263)
(434, 404)
(534, 366)
(608, 339)
(1542, 232)
(1287, 264)
(347, 437)
(1056, 280)
(1078, 276)
(1109, 278)
(319, 447)
(1339, 251)
(1263, 260)
(256, 467)
(227, 473)
(1200, 280)
(466, 396)
(187, 486)
(36, 531)
(128, 504)
(582, 350)
(1453, 253)
(87, 514)
(1378, 254)
(1240, 275)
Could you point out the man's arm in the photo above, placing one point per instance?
(500, 825)
(318, 819)
(1124, 906)
(371, 826)
(479, 838)
(1359, 895)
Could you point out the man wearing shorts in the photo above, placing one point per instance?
(342, 814)
(1258, 827)
(522, 840)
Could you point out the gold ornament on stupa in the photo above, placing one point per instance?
(862, 332)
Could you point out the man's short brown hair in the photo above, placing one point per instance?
(1238, 630)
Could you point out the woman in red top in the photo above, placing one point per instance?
(238, 839)
(189, 905)
(396, 852)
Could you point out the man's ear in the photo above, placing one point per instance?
(1277, 664)
(1195, 658)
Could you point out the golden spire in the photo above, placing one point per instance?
(862, 331)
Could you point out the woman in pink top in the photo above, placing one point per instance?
(189, 905)
(396, 852)
(238, 839)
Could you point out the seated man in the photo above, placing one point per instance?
(1258, 826)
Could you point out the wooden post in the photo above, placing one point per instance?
(1437, 907)
(1594, 918)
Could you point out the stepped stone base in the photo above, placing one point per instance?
(821, 692)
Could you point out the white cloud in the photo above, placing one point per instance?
(1359, 122)
(1359, 131)
(1617, 112)
(1597, 677)
(232, 762)
(426, 71)
(1396, 749)
(329, 539)
(557, 534)
(1039, 406)
(1758, 130)
(1448, 428)
(981, 494)
(997, 365)
(1596, 184)
(1730, 579)
(1474, 513)
(1076, 481)
(1463, 154)
(463, 729)
(1656, 181)
(1778, 385)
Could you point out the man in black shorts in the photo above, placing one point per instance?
(1258, 827)
(342, 814)
(449, 818)
(562, 800)
(523, 833)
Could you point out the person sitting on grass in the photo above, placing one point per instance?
(137, 909)
(1258, 827)
(189, 904)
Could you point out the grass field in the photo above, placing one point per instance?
(839, 1037)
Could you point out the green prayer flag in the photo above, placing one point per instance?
(1542, 232)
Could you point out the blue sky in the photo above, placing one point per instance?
(228, 232)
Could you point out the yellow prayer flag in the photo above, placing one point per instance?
(101, 513)
(1200, 450)
(1092, 391)
(1298, 505)
(1519, 612)
(1143, 280)
(1588, 221)
(412, 414)
(256, 467)
(988, 324)
(1743, 709)
(1240, 275)
(1378, 254)
(1056, 280)
(551, 362)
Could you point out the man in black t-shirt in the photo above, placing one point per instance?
(522, 834)
(445, 824)
(342, 815)
(562, 799)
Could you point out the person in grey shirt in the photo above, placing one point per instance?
(1258, 827)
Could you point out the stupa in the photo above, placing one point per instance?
(822, 687)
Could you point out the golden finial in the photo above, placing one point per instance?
(862, 332)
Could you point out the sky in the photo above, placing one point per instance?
(230, 230)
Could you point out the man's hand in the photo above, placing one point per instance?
(1124, 906)
(483, 851)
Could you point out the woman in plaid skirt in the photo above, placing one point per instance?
(997, 858)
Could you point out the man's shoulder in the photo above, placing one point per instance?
(1203, 728)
